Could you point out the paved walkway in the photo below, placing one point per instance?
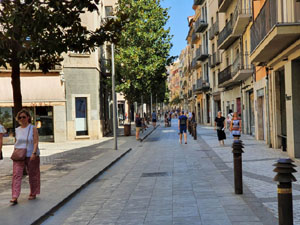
(163, 182)
(65, 168)
(258, 167)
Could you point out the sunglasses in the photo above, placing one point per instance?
(22, 117)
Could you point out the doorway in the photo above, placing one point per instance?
(81, 116)
(260, 115)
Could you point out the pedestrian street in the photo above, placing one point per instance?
(164, 182)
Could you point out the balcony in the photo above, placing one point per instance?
(200, 25)
(223, 5)
(225, 36)
(201, 54)
(195, 64)
(270, 35)
(236, 27)
(214, 59)
(198, 2)
(195, 38)
(239, 71)
(216, 27)
(201, 86)
(225, 77)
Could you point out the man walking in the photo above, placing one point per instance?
(154, 118)
(182, 125)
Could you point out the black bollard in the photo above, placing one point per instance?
(195, 131)
(237, 150)
(284, 177)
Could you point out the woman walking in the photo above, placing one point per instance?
(220, 127)
(26, 138)
(236, 126)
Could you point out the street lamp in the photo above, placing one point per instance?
(115, 124)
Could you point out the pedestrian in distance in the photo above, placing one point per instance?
(26, 138)
(220, 127)
(182, 125)
(154, 118)
(236, 126)
(138, 125)
(228, 121)
(2, 132)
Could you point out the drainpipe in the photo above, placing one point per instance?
(267, 109)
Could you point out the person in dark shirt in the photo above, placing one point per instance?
(220, 127)
(138, 125)
(182, 125)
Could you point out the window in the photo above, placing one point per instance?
(109, 11)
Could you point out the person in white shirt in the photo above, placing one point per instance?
(26, 137)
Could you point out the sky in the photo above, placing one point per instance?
(179, 11)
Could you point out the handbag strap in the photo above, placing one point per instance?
(28, 135)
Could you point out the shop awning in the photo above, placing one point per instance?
(36, 91)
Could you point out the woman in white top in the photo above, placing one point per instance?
(26, 137)
(2, 131)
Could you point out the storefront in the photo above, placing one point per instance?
(44, 96)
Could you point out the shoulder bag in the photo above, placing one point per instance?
(19, 154)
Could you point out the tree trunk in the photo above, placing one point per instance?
(16, 84)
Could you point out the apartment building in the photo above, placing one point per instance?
(215, 21)
(201, 87)
(275, 41)
(236, 72)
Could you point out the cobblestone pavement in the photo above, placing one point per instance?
(258, 167)
(162, 182)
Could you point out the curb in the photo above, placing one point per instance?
(142, 139)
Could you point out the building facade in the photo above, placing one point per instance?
(245, 58)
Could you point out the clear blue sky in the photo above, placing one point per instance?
(179, 11)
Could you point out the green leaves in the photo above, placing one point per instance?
(142, 48)
(43, 29)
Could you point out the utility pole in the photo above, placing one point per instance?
(115, 125)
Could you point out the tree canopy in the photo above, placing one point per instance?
(142, 50)
(37, 32)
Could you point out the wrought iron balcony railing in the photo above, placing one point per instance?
(200, 25)
(263, 23)
(224, 75)
(201, 53)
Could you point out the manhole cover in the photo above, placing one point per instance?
(157, 174)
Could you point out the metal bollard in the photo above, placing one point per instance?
(284, 177)
(195, 131)
(237, 150)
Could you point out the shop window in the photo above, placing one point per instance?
(7, 120)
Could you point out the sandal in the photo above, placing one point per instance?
(14, 201)
(31, 197)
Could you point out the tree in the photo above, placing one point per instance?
(37, 32)
(142, 50)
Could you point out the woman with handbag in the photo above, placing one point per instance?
(25, 155)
